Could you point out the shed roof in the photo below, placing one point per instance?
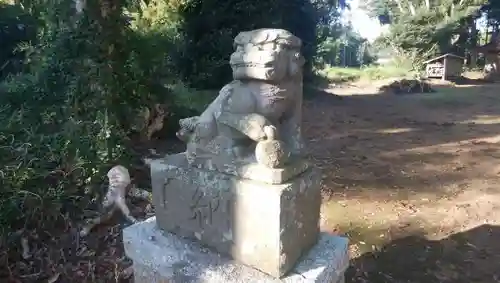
(444, 55)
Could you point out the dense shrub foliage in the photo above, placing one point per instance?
(16, 27)
(63, 119)
(209, 27)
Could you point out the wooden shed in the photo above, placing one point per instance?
(491, 53)
(446, 66)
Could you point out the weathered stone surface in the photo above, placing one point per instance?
(251, 170)
(261, 225)
(272, 153)
(266, 92)
(161, 257)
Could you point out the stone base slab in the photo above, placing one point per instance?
(161, 257)
(265, 226)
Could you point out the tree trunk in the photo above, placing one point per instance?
(79, 6)
(473, 45)
(400, 7)
(412, 8)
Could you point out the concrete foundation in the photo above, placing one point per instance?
(161, 257)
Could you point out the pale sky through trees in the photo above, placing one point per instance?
(367, 27)
(370, 28)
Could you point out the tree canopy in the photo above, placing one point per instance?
(423, 28)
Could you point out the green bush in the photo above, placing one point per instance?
(209, 27)
(184, 102)
(67, 119)
(16, 27)
(64, 121)
(191, 99)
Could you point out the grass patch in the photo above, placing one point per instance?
(373, 73)
(340, 74)
(368, 73)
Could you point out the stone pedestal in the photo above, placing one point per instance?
(265, 226)
(161, 257)
(242, 188)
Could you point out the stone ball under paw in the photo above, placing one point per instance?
(271, 153)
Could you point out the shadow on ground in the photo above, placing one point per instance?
(418, 142)
(472, 81)
(468, 257)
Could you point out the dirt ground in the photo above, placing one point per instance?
(412, 180)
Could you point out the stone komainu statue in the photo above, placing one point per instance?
(262, 105)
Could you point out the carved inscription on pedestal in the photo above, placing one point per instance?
(203, 207)
(163, 200)
(196, 204)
